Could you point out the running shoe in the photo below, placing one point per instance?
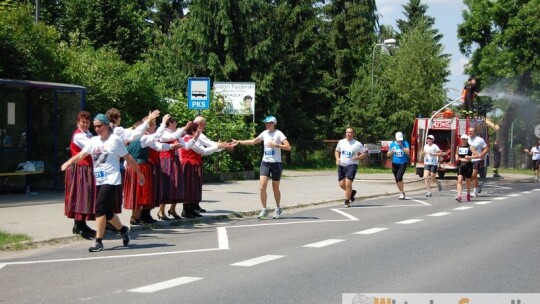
(536, 179)
(439, 186)
(475, 193)
(468, 197)
(277, 213)
(96, 247)
(347, 204)
(125, 235)
(401, 196)
(353, 193)
(480, 184)
(428, 194)
(458, 198)
(263, 214)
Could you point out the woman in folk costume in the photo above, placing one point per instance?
(140, 198)
(192, 168)
(171, 188)
(80, 185)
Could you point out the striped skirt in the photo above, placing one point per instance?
(170, 185)
(135, 195)
(193, 178)
(80, 193)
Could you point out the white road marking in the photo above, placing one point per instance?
(411, 221)
(345, 214)
(111, 257)
(421, 202)
(259, 260)
(324, 243)
(223, 239)
(500, 198)
(390, 206)
(500, 187)
(165, 284)
(526, 192)
(277, 223)
(514, 195)
(440, 214)
(482, 203)
(535, 189)
(463, 208)
(2, 265)
(371, 231)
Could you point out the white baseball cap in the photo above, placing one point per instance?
(431, 136)
(270, 119)
(464, 136)
(399, 136)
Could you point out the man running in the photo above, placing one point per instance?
(348, 152)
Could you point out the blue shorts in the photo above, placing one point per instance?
(431, 168)
(347, 171)
(272, 170)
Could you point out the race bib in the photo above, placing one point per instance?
(463, 151)
(398, 153)
(100, 175)
(429, 159)
(269, 151)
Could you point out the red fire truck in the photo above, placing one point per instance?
(447, 130)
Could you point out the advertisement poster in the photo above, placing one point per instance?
(234, 98)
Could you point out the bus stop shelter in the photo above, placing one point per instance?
(36, 123)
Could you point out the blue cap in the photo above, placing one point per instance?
(270, 119)
(103, 119)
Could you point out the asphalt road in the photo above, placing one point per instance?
(312, 255)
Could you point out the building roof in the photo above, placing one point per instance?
(15, 84)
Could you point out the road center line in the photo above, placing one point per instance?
(526, 192)
(463, 208)
(439, 214)
(500, 198)
(345, 214)
(411, 221)
(324, 243)
(514, 195)
(421, 202)
(165, 284)
(371, 231)
(259, 260)
(223, 239)
(482, 203)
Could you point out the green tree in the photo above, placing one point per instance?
(415, 12)
(503, 38)
(113, 83)
(115, 24)
(28, 50)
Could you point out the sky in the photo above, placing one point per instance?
(447, 14)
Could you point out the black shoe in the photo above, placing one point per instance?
(174, 215)
(187, 214)
(200, 210)
(76, 229)
(134, 221)
(88, 234)
(125, 235)
(195, 213)
(96, 247)
(353, 193)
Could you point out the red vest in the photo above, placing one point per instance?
(87, 161)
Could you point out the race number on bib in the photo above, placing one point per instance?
(100, 175)
(269, 151)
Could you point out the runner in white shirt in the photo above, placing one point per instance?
(274, 141)
(106, 149)
(431, 162)
(482, 149)
(535, 153)
(348, 152)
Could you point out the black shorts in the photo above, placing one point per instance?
(108, 196)
(398, 170)
(272, 170)
(465, 169)
(478, 164)
(536, 164)
(347, 171)
(431, 168)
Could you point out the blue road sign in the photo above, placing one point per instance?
(198, 93)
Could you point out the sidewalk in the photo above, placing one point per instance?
(41, 216)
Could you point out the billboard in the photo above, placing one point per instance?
(234, 98)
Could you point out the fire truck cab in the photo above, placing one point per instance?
(447, 130)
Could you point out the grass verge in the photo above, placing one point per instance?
(17, 241)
